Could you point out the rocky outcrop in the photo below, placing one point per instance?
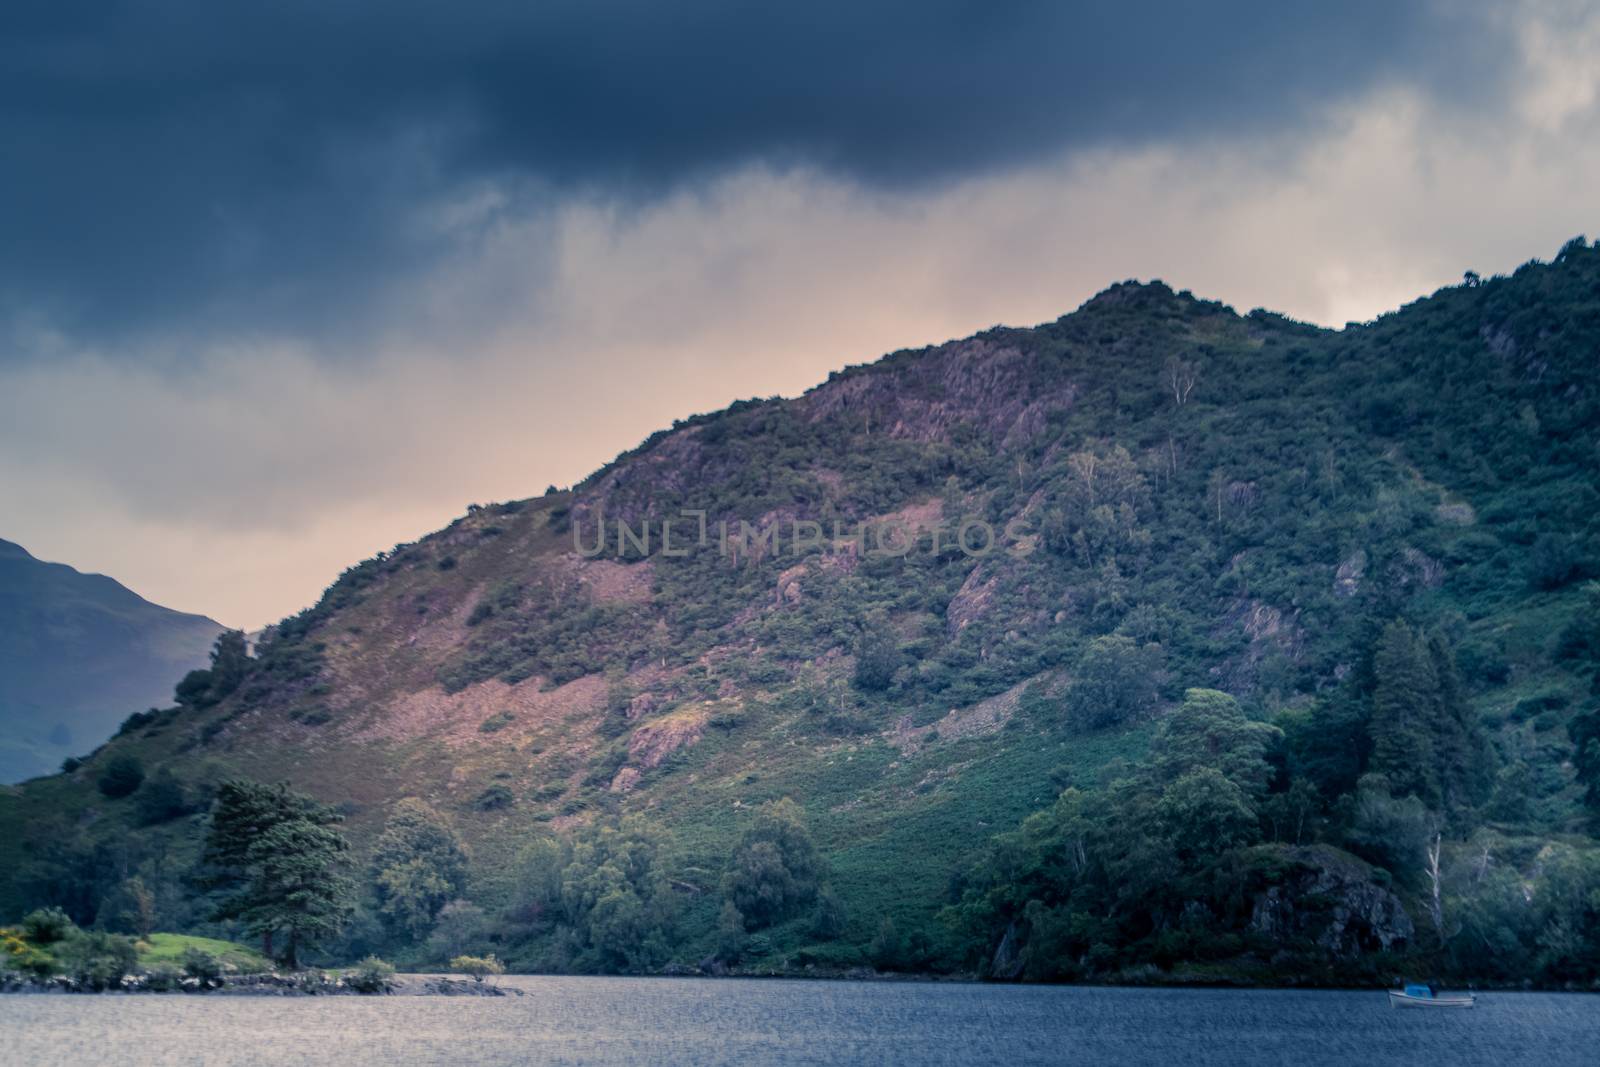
(1269, 630)
(654, 741)
(1331, 899)
(1347, 579)
(1005, 393)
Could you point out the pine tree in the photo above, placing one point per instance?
(1463, 757)
(1405, 700)
(276, 854)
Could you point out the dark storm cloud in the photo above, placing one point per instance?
(272, 168)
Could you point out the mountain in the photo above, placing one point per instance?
(1249, 651)
(78, 654)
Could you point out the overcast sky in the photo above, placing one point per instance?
(282, 288)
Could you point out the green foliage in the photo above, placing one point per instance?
(230, 665)
(458, 926)
(418, 865)
(494, 798)
(776, 869)
(887, 949)
(1209, 731)
(497, 722)
(604, 895)
(47, 926)
(1552, 561)
(1585, 733)
(371, 976)
(1206, 813)
(731, 935)
(122, 775)
(198, 963)
(134, 905)
(1116, 679)
(163, 978)
(828, 920)
(877, 657)
(162, 799)
(97, 960)
(166, 948)
(1424, 738)
(277, 853)
(479, 967)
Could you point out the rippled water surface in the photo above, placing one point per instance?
(687, 1021)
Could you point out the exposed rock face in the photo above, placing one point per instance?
(1347, 579)
(1330, 898)
(1269, 631)
(1417, 566)
(972, 601)
(1007, 962)
(985, 717)
(995, 387)
(655, 741)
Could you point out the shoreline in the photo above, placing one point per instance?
(425, 984)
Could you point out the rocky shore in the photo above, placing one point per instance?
(303, 984)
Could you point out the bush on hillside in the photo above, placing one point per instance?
(47, 926)
(122, 776)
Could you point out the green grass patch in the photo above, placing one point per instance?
(169, 949)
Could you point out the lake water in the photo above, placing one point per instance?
(747, 1022)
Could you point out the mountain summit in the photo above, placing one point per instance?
(78, 654)
(1157, 640)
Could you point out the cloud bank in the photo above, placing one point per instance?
(279, 301)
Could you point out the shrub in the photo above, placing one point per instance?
(47, 926)
(495, 798)
(137, 721)
(1552, 561)
(498, 721)
(34, 963)
(122, 776)
(198, 963)
(99, 961)
(162, 799)
(877, 658)
(479, 967)
(371, 975)
(163, 978)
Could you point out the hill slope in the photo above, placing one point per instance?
(1180, 498)
(78, 654)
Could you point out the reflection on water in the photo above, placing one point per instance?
(702, 1022)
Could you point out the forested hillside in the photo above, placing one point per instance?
(1281, 666)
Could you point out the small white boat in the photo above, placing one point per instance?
(1421, 996)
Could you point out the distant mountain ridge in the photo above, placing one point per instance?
(78, 654)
